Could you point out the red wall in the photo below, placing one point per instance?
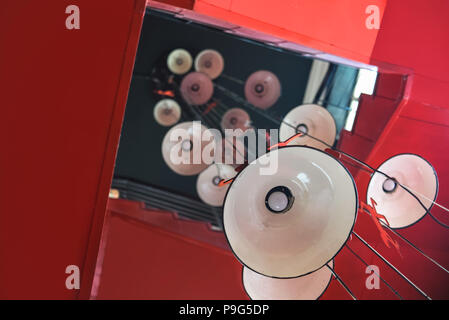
(63, 97)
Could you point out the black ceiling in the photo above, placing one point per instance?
(139, 156)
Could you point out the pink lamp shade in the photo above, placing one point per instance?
(207, 184)
(293, 220)
(183, 154)
(209, 62)
(235, 118)
(313, 120)
(262, 89)
(179, 61)
(167, 112)
(398, 206)
(197, 88)
(307, 287)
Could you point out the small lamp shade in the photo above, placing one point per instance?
(397, 205)
(182, 148)
(179, 61)
(312, 119)
(197, 88)
(262, 89)
(209, 62)
(167, 112)
(235, 118)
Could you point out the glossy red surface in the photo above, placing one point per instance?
(63, 98)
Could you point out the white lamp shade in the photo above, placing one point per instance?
(308, 287)
(207, 184)
(321, 211)
(179, 61)
(262, 89)
(196, 88)
(315, 120)
(183, 154)
(398, 206)
(209, 62)
(167, 112)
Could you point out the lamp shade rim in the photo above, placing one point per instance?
(317, 298)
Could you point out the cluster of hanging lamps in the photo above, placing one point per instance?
(286, 227)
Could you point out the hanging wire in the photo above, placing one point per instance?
(392, 266)
(412, 245)
(341, 282)
(365, 263)
(231, 78)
